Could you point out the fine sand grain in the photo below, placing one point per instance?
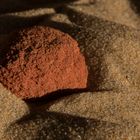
(107, 32)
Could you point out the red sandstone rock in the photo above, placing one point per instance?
(42, 60)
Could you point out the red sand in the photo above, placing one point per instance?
(42, 60)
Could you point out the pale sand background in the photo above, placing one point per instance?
(109, 37)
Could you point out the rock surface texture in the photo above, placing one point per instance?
(41, 60)
(108, 35)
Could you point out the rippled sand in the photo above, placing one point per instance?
(108, 35)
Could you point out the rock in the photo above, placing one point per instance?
(41, 60)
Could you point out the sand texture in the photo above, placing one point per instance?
(108, 36)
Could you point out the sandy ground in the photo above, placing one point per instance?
(108, 35)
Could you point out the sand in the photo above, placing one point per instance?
(109, 38)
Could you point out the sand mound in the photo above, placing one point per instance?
(110, 109)
(11, 109)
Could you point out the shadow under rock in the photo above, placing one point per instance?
(61, 126)
(135, 5)
(49, 99)
(7, 6)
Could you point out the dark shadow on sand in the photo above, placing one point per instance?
(135, 6)
(60, 126)
(50, 98)
(9, 23)
(7, 6)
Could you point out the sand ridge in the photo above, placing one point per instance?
(107, 32)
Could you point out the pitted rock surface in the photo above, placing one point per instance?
(41, 60)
